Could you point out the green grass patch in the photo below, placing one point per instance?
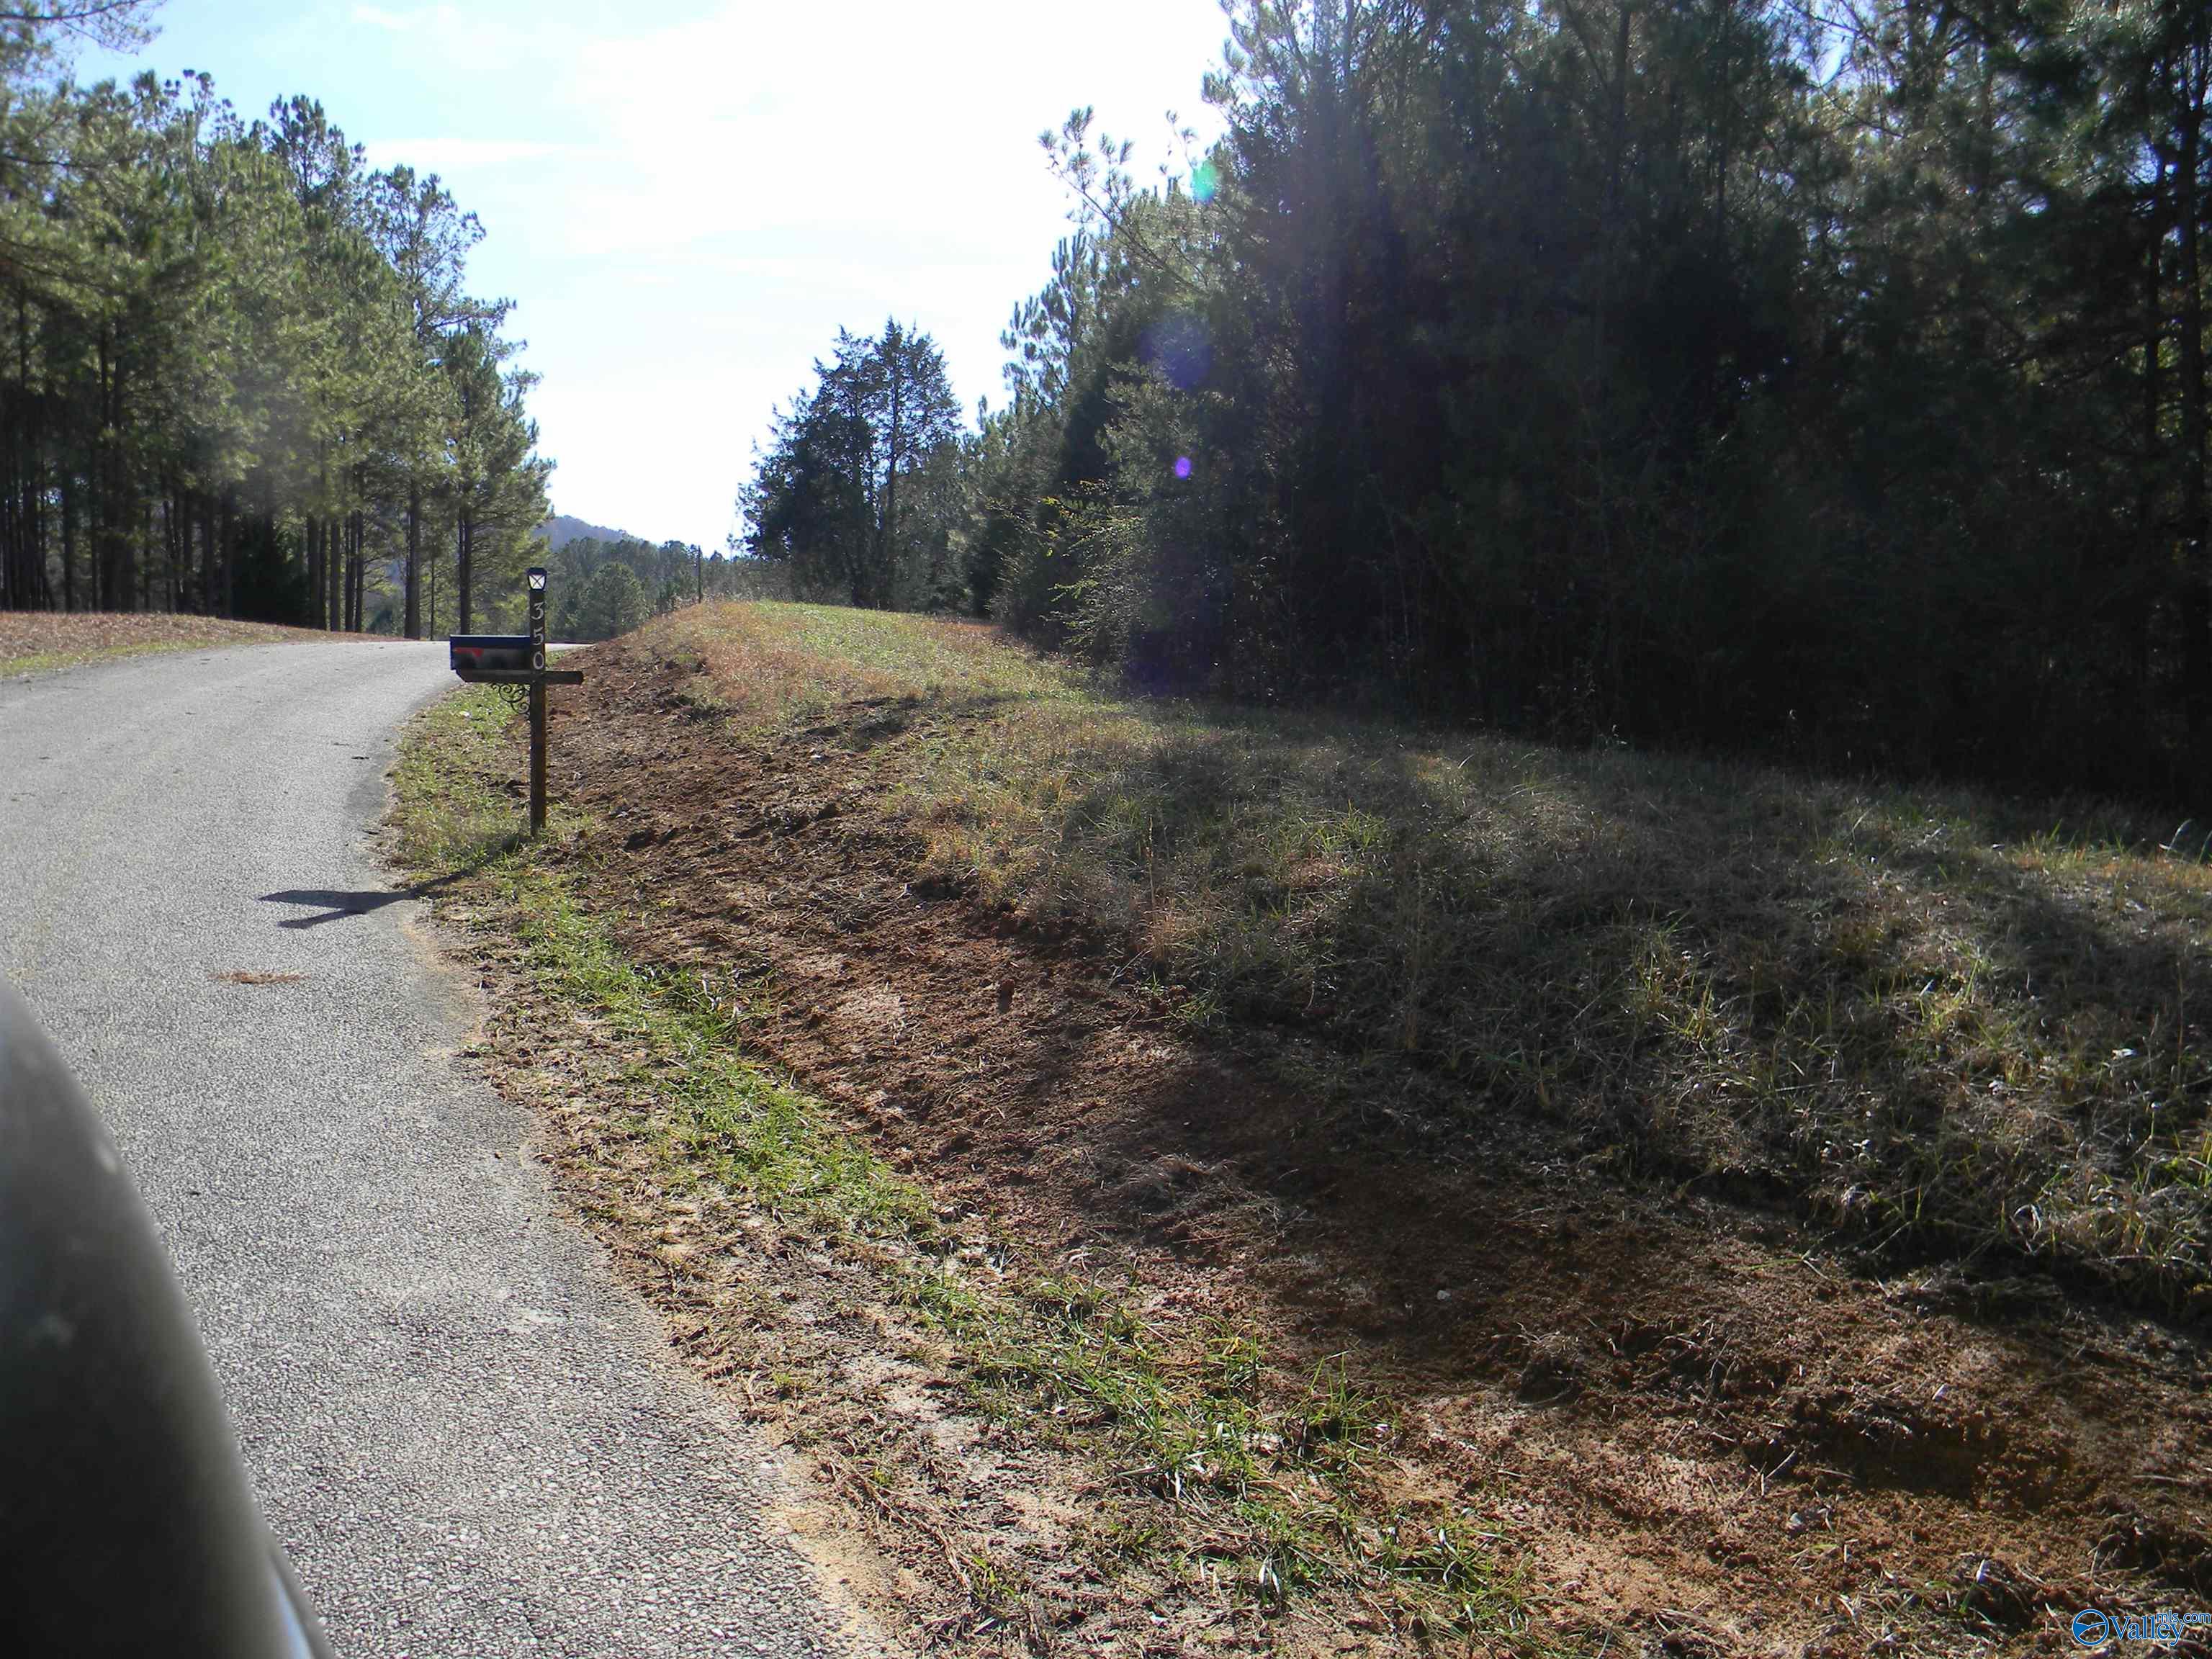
(450, 813)
(1220, 1467)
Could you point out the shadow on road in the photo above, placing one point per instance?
(336, 906)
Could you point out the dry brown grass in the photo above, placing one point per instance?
(1048, 1461)
(1949, 1025)
(1205, 1078)
(33, 641)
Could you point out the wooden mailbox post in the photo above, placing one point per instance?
(517, 659)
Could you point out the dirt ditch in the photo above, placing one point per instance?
(1699, 1428)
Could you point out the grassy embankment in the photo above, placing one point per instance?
(37, 641)
(1207, 1468)
(1953, 1027)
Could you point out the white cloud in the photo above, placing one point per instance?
(687, 207)
(448, 155)
(480, 37)
(906, 118)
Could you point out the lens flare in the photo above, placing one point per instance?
(1177, 346)
(1205, 180)
(1182, 466)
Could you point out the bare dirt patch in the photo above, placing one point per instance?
(1703, 1427)
(34, 640)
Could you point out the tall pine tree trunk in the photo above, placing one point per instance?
(172, 562)
(69, 543)
(414, 621)
(312, 549)
(357, 576)
(464, 559)
(2150, 509)
(887, 536)
(226, 539)
(2195, 579)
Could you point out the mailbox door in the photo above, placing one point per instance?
(489, 651)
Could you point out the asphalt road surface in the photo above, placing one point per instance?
(471, 1441)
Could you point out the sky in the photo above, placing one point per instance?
(687, 199)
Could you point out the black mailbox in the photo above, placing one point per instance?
(517, 659)
(479, 655)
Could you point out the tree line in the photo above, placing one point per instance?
(1821, 376)
(241, 373)
(599, 588)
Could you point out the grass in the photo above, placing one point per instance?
(42, 662)
(1950, 1025)
(448, 813)
(41, 641)
(1215, 1466)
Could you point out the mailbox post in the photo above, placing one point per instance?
(517, 659)
(536, 701)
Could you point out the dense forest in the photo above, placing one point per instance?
(240, 372)
(1824, 376)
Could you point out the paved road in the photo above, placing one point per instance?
(473, 1442)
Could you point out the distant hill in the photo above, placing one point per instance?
(560, 530)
